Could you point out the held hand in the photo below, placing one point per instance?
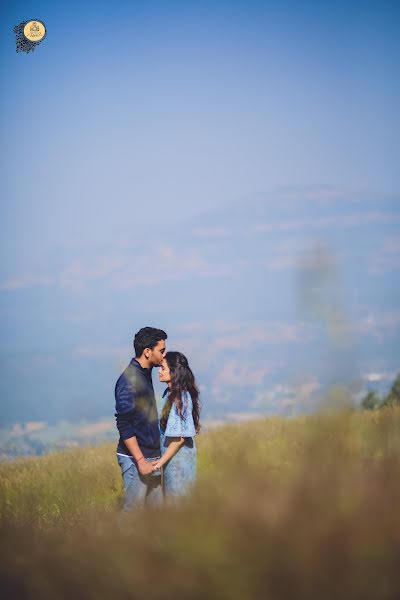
(145, 467)
(157, 465)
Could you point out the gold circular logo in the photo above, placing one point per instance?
(34, 31)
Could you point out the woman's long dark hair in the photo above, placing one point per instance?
(182, 379)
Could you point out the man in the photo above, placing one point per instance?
(137, 420)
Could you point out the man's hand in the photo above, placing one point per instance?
(145, 467)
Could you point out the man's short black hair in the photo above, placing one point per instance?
(147, 337)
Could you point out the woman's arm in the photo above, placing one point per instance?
(173, 447)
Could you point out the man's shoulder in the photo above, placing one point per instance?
(131, 376)
(126, 389)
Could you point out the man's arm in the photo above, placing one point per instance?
(144, 466)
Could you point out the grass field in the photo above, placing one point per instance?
(284, 508)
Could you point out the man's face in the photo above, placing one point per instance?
(156, 354)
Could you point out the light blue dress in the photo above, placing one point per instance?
(180, 470)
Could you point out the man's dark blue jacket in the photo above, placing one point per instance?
(136, 410)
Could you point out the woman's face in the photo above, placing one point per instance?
(164, 372)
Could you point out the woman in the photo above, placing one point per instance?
(179, 424)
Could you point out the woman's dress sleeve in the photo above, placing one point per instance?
(178, 426)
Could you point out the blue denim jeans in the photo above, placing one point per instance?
(139, 489)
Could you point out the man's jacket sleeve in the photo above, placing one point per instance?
(125, 408)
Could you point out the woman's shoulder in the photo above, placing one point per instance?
(180, 419)
(187, 401)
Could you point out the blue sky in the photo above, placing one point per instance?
(226, 171)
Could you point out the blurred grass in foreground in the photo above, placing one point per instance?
(296, 508)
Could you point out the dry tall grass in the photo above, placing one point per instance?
(299, 508)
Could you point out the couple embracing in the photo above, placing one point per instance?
(157, 457)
